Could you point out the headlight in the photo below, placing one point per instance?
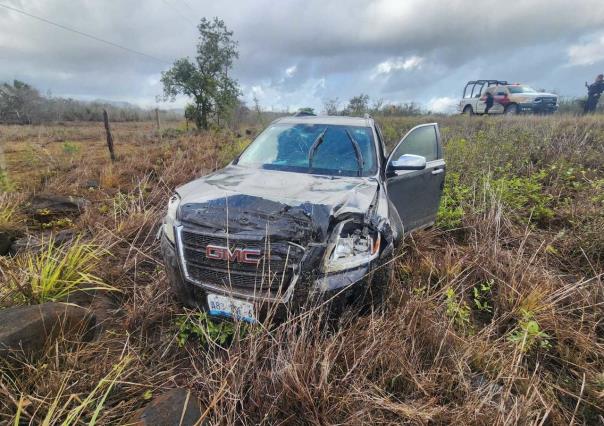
(352, 247)
(171, 217)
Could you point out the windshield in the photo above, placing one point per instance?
(313, 148)
(521, 89)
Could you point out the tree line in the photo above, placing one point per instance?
(21, 103)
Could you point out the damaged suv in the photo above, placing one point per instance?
(312, 209)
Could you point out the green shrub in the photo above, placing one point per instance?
(525, 197)
(208, 331)
(454, 200)
(70, 148)
(528, 334)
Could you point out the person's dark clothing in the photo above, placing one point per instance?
(594, 91)
(489, 102)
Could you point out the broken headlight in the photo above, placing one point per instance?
(352, 247)
(171, 217)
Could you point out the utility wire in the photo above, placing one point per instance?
(185, 17)
(188, 6)
(110, 43)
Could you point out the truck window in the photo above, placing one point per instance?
(477, 90)
(468, 91)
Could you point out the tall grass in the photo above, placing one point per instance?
(494, 316)
(54, 272)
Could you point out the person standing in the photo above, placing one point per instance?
(489, 101)
(594, 91)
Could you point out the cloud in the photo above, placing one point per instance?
(396, 64)
(444, 105)
(291, 71)
(587, 53)
(401, 50)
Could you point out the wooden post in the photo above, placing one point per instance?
(109, 137)
(157, 121)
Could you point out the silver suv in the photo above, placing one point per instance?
(313, 207)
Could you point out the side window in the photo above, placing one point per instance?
(477, 90)
(501, 91)
(421, 141)
(468, 92)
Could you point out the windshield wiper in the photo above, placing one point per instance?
(314, 146)
(357, 152)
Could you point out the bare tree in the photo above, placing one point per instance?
(330, 106)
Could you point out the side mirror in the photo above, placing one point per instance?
(409, 162)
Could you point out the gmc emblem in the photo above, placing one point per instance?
(238, 255)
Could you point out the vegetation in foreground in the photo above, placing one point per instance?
(493, 316)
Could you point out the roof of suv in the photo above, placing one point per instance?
(327, 119)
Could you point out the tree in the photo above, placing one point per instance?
(330, 106)
(358, 105)
(306, 111)
(206, 80)
(20, 103)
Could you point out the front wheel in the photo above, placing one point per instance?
(468, 110)
(511, 109)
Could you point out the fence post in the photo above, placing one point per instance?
(157, 121)
(109, 137)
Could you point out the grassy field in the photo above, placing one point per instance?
(495, 315)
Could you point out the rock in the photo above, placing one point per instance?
(46, 207)
(63, 236)
(30, 328)
(167, 410)
(99, 303)
(27, 243)
(7, 236)
(92, 184)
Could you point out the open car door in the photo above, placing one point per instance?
(415, 176)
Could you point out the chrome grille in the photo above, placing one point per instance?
(272, 275)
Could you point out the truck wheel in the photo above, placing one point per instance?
(468, 110)
(511, 109)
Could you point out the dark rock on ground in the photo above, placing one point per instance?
(167, 410)
(100, 303)
(26, 243)
(92, 183)
(7, 236)
(63, 236)
(30, 328)
(35, 243)
(45, 207)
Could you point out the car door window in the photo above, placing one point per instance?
(422, 140)
(477, 90)
(468, 91)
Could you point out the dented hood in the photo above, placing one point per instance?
(294, 206)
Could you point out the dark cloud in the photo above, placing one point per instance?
(396, 50)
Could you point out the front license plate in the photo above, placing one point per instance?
(225, 306)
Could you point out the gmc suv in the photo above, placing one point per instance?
(507, 98)
(313, 208)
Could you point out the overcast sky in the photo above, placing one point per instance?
(298, 53)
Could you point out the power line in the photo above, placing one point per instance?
(185, 17)
(110, 43)
(189, 6)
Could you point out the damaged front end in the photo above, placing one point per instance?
(276, 256)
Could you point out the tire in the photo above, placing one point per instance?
(468, 110)
(511, 109)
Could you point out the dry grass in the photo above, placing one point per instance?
(494, 317)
